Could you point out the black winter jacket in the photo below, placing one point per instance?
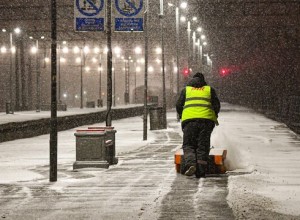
(198, 83)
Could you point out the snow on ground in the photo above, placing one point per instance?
(33, 115)
(269, 152)
(263, 156)
(18, 157)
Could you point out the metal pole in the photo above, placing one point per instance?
(114, 72)
(135, 82)
(59, 81)
(109, 64)
(189, 44)
(146, 72)
(23, 76)
(11, 75)
(100, 81)
(53, 120)
(17, 76)
(201, 56)
(177, 48)
(194, 45)
(164, 105)
(38, 76)
(81, 78)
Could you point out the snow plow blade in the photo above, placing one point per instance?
(215, 162)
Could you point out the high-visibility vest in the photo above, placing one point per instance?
(198, 104)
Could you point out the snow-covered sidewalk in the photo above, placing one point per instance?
(263, 156)
(269, 152)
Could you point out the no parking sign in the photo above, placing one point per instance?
(89, 15)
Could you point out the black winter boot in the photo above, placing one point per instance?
(200, 171)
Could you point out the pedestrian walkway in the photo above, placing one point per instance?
(136, 188)
(144, 184)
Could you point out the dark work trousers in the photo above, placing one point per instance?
(196, 141)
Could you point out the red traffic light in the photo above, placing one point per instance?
(186, 72)
(225, 72)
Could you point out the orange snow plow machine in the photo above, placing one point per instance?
(216, 160)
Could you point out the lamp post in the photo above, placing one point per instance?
(53, 120)
(189, 44)
(12, 50)
(60, 60)
(58, 73)
(183, 5)
(146, 71)
(135, 72)
(100, 104)
(109, 62)
(138, 51)
(81, 77)
(11, 75)
(161, 16)
(35, 50)
(177, 48)
(114, 85)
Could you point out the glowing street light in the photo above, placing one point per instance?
(78, 60)
(117, 50)
(65, 50)
(182, 19)
(158, 50)
(183, 5)
(138, 50)
(76, 49)
(17, 30)
(86, 49)
(96, 50)
(3, 49)
(34, 49)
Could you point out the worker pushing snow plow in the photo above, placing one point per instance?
(198, 107)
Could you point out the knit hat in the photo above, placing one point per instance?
(199, 75)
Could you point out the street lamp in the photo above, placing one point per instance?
(161, 16)
(137, 70)
(100, 102)
(35, 50)
(138, 51)
(114, 84)
(183, 5)
(10, 110)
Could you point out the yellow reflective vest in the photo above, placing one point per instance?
(198, 104)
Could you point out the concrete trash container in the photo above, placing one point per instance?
(156, 118)
(111, 146)
(90, 149)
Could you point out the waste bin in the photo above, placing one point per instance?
(100, 103)
(157, 120)
(9, 109)
(90, 104)
(90, 149)
(110, 147)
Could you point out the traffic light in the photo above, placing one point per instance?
(186, 72)
(225, 72)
